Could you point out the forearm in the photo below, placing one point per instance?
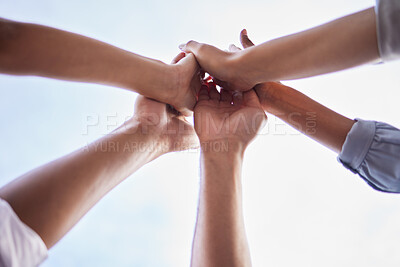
(343, 43)
(52, 198)
(220, 238)
(305, 115)
(30, 49)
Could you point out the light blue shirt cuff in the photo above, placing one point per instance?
(372, 150)
(357, 143)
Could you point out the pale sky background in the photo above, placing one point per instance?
(302, 208)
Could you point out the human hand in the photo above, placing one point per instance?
(187, 81)
(226, 67)
(266, 92)
(169, 129)
(233, 119)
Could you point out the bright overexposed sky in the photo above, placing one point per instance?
(301, 206)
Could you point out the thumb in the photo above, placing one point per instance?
(244, 39)
(189, 63)
(178, 57)
(208, 56)
(190, 47)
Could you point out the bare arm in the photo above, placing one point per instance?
(220, 237)
(52, 198)
(31, 49)
(305, 115)
(343, 43)
(301, 112)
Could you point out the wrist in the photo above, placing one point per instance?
(221, 163)
(244, 64)
(222, 148)
(171, 77)
(163, 81)
(269, 94)
(173, 83)
(148, 77)
(237, 71)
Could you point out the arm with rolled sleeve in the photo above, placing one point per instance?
(368, 148)
(372, 149)
(52, 198)
(388, 28)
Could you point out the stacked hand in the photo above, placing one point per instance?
(233, 119)
(169, 129)
(225, 122)
(264, 90)
(225, 66)
(232, 116)
(186, 83)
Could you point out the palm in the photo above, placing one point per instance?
(219, 64)
(220, 120)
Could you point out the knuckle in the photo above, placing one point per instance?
(192, 44)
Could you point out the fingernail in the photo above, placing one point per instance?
(182, 46)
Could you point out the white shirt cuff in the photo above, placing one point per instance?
(19, 244)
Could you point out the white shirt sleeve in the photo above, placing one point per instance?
(388, 28)
(19, 244)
